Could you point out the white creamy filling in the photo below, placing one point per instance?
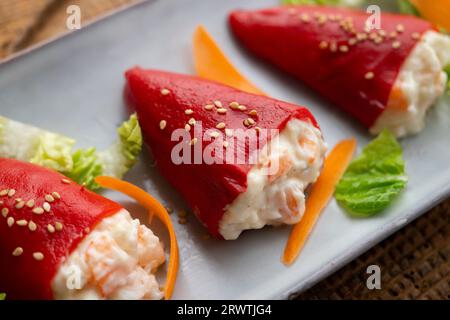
(420, 82)
(117, 260)
(277, 198)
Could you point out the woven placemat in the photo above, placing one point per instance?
(414, 262)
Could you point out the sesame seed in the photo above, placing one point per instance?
(193, 141)
(10, 221)
(191, 121)
(361, 36)
(214, 134)
(352, 41)
(415, 36)
(5, 212)
(4, 192)
(382, 33)
(17, 251)
(400, 28)
(49, 198)
(30, 203)
(242, 108)
(56, 195)
(209, 107)
(378, 40)
(39, 256)
(165, 92)
(11, 193)
(251, 121)
(369, 75)
(343, 48)
(228, 132)
(322, 19)
(187, 127)
(221, 110)
(66, 181)
(253, 113)
(18, 199)
(58, 226)
(258, 129)
(234, 105)
(32, 226)
(218, 104)
(46, 206)
(50, 228)
(162, 124)
(246, 123)
(188, 111)
(323, 45)
(20, 205)
(221, 125)
(22, 223)
(304, 17)
(396, 44)
(225, 144)
(393, 34)
(38, 210)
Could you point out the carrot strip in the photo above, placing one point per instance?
(437, 11)
(211, 63)
(159, 211)
(335, 165)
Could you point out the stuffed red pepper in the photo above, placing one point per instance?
(386, 78)
(204, 137)
(59, 240)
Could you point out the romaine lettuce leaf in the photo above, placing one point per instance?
(374, 178)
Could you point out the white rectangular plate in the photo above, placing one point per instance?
(74, 86)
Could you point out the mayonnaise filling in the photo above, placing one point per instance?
(117, 260)
(420, 82)
(278, 197)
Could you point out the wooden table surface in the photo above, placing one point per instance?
(414, 262)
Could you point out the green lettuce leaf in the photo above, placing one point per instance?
(447, 71)
(54, 151)
(374, 178)
(406, 7)
(86, 166)
(345, 3)
(2, 296)
(28, 143)
(121, 156)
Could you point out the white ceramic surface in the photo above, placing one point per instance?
(74, 86)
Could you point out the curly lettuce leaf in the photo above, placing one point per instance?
(28, 143)
(54, 151)
(345, 3)
(121, 156)
(374, 178)
(86, 166)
